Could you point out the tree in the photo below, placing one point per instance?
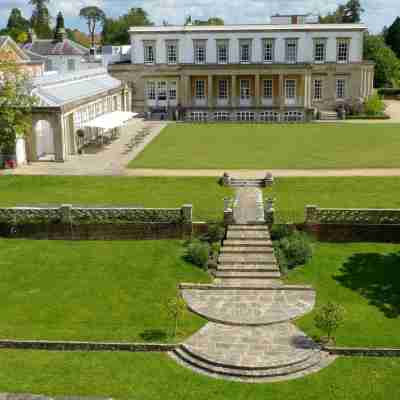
(116, 31)
(175, 308)
(210, 21)
(328, 319)
(393, 36)
(15, 105)
(344, 14)
(40, 20)
(387, 65)
(17, 21)
(94, 16)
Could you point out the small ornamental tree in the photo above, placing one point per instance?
(16, 102)
(329, 318)
(176, 308)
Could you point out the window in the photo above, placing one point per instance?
(71, 64)
(149, 54)
(222, 89)
(319, 51)
(340, 88)
(342, 50)
(291, 50)
(317, 89)
(172, 53)
(200, 52)
(162, 90)
(268, 50)
(290, 88)
(200, 89)
(151, 90)
(172, 90)
(244, 50)
(267, 88)
(244, 89)
(222, 53)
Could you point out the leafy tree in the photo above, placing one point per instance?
(40, 20)
(328, 319)
(210, 21)
(116, 31)
(77, 36)
(393, 36)
(374, 105)
(15, 105)
(94, 16)
(17, 21)
(176, 308)
(387, 65)
(344, 14)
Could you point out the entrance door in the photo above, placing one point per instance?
(290, 92)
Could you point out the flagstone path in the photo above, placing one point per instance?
(250, 335)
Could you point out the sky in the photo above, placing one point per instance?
(378, 12)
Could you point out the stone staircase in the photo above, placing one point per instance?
(249, 336)
(241, 182)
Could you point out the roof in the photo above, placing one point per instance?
(3, 39)
(49, 47)
(58, 90)
(13, 44)
(248, 28)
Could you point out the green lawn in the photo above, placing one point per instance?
(141, 376)
(111, 291)
(204, 193)
(257, 146)
(365, 279)
(293, 194)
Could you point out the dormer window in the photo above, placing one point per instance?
(245, 51)
(319, 50)
(149, 53)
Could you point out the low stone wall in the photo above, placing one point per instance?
(353, 216)
(84, 346)
(363, 351)
(78, 223)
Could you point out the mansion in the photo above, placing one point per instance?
(246, 72)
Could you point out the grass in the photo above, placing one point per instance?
(105, 291)
(365, 279)
(204, 193)
(293, 194)
(257, 146)
(148, 376)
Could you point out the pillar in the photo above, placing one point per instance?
(210, 94)
(234, 101)
(257, 96)
(59, 139)
(185, 92)
(307, 89)
(281, 99)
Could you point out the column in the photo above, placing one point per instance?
(281, 99)
(307, 89)
(234, 101)
(186, 92)
(257, 98)
(210, 94)
(332, 87)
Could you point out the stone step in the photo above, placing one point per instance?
(248, 243)
(247, 235)
(246, 250)
(260, 259)
(248, 267)
(192, 360)
(248, 227)
(243, 283)
(246, 274)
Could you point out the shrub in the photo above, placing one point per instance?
(297, 249)
(374, 105)
(328, 319)
(198, 252)
(280, 231)
(215, 233)
(281, 258)
(390, 92)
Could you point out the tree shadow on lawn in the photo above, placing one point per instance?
(376, 277)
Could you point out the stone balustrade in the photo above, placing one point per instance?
(352, 216)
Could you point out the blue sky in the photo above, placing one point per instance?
(378, 12)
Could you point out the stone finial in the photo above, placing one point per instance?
(311, 213)
(269, 179)
(226, 179)
(66, 213)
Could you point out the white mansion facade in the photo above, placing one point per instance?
(246, 72)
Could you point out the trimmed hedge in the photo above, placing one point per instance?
(364, 116)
